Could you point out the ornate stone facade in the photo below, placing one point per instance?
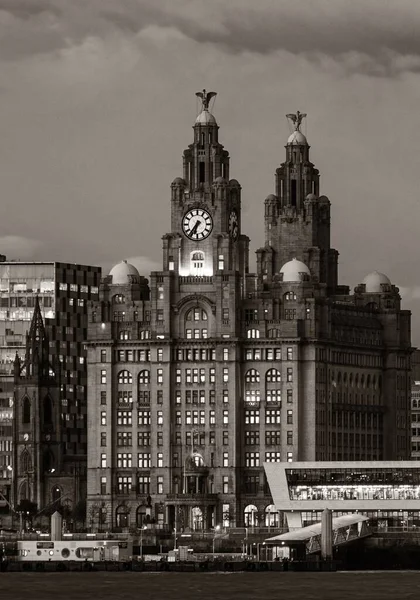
(203, 372)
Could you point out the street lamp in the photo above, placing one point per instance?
(141, 541)
(216, 529)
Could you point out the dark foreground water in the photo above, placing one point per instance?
(212, 586)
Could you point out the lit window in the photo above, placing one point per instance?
(103, 376)
(103, 461)
(225, 459)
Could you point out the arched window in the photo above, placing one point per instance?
(290, 296)
(141, 514)
(144, 377)
(197, 459)
(273, 376)
(253, 334)
(197, 263)
(252, 376)
(118, 299)
(25, 462)
(145, 334)
(196, 314)
(26, 412)
(197, 518)
(122, 516)
(125, 377)
(251, 515)
(124, 335)
(273, 333)
(271, 516)
(48, 411)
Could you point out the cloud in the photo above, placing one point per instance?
(375, 38)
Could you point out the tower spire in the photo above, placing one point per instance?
(37, 347)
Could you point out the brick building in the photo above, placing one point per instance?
(205, 371)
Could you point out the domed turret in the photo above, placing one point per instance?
(375, 281)
(122, 272)
(205, 118)
(295, 271)
(220, 180)
(311, 197)
(271, 198)
(179, 181)
(297, 139)
(235, 183)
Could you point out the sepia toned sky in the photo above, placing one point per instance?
(97, 101)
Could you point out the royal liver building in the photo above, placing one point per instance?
(202, 372)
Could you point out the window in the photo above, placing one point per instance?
(159, 376)
(221, 262)
(290, 438)
(212, 375)
(272, 416)
(289, 354)
(103, 355)
(290, 457)
(103, 398)
(160, 438)
(124, 438)
(159, 397)
(290, 417)
(124, 461)
(124, 335)
(143, 438)
(252, 334)
(103, 376)
(159, 314)
(272, 438)
(143, 484)
(225, 375)
(289, 376)
(144, 377)
(225, 440)
(160, 459)
(273, 395)
(272, 457)
(251, 314)
(159, 484)
(252, 376)
(289, 314)
(103, 461)
(103, 418)
(252, 417)
(225, 417)
(252, 459)
(212, 437)
(197, 258)
(143, 417)
(290, 296)
(225, 353)
(212, 417)
(125, 377)
(124, 417)
(225, 395)
(103, 438)
(225, 484)
(103, 485)
(143, 460)
(289, 396)
(124, 484)
(225, 314)
(252, 438)
(252, 395)
(225, 459)
(160, 417)
(178, 376)
(273, 376)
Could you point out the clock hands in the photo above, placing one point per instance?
(194, 229)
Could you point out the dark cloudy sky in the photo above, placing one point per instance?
(97, 103)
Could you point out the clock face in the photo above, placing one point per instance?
(233, 225)
(197, 224)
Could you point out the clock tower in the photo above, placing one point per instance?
(206, 207)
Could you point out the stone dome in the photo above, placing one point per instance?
(220, 180)
(205, 118)
(297, 138)
(179, 181)
(295, 271)
(235, 182)
(311, 197)
(271, 198)
(374, 282)
(120, 273)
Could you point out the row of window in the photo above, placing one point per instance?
(196, 354)
(144, 459)
(252, 438)
(252, 417)
(74, 287)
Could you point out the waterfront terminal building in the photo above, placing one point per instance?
(386, 492)
(202, 372)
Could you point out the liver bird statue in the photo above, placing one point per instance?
(296, 119)
(205, 98)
